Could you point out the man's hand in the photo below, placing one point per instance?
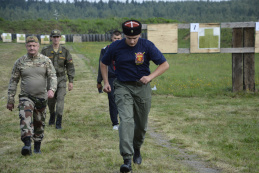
(10, 106)
(70, 86)
(50, 94)
(145, 79)
(99, 86)
(107, 88)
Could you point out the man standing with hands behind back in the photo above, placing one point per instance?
(63, 63)
(34, 69)
(132, 89)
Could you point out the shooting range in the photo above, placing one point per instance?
(63, 39)
(164, 36)
(44, 39)
(77, 39)
(204, 38)
(20, 38)
(7, 37)
(257, 37)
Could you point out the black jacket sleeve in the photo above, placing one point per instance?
(99, 76)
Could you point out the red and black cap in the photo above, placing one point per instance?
(131, 27)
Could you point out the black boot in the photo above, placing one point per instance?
(37, 147)
(26, 149)
(137, 156)
(126, 167)
(58, 122)
(52, 119)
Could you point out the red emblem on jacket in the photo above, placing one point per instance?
(139, 58)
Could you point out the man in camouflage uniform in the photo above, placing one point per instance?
(63, 63)
(34, 69)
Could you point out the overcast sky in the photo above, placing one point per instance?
(138, 0)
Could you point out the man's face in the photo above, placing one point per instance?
(116, 37)
(55, 39)
(132, 40)
(32, 48)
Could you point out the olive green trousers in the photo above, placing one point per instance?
(133, 100)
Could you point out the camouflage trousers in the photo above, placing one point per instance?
(57, 102)
(32, 118)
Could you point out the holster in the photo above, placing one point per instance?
(40, 103)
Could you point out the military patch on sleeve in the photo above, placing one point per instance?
(70, 61)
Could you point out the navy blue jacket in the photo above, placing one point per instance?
(111, 70)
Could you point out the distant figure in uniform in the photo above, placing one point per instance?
(63, 63)
(34, 69)
(132, 89)
(116, 35)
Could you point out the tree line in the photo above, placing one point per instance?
(183, 11)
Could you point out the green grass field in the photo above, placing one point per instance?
(193, 111)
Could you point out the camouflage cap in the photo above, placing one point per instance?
(32, 39)
(55, 32)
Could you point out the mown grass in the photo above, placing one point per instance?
(210, 121)
(223, 130)
(195, 107)
(87, 142)
(189, 74)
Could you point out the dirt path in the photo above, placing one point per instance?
(192, 161)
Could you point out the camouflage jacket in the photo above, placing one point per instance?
(34, 72)
(62, 61)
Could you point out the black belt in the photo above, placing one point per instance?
(61, 74)
(134, 83)
(40, 103)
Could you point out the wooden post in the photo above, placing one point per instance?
(249, 61)
(237, 60)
